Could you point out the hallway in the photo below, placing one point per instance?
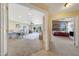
(60, 46)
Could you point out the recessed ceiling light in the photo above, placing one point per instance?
(67, 4)
(29, 14)
(20, 16)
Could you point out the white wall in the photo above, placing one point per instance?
(24, 14)
(70, 25)
(12, 26)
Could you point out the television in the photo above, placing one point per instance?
(71, 33)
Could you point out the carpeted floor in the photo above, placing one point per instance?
(59, 46)
(64, 46)
(25, 47)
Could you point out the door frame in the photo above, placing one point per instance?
(76, 41)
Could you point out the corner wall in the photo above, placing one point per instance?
(0, 28)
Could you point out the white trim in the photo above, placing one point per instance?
(3, 29)
(51, 28)
(0, 29)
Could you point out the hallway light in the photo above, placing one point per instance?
(20, 16)
(67, 4)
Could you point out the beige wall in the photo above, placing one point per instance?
(49, 26)
(0, 28)
(61, 15)
(41, 6)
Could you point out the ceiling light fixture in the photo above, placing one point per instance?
(20, 16)
(67, 4)
(29, 14)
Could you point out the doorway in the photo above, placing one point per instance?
(23, 29)
(64, 35)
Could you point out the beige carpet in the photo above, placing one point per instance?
(59, 46)
(64, 46)
(46, 53)
(23, 47)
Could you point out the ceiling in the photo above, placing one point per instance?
(59, 7)
(24, 14)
